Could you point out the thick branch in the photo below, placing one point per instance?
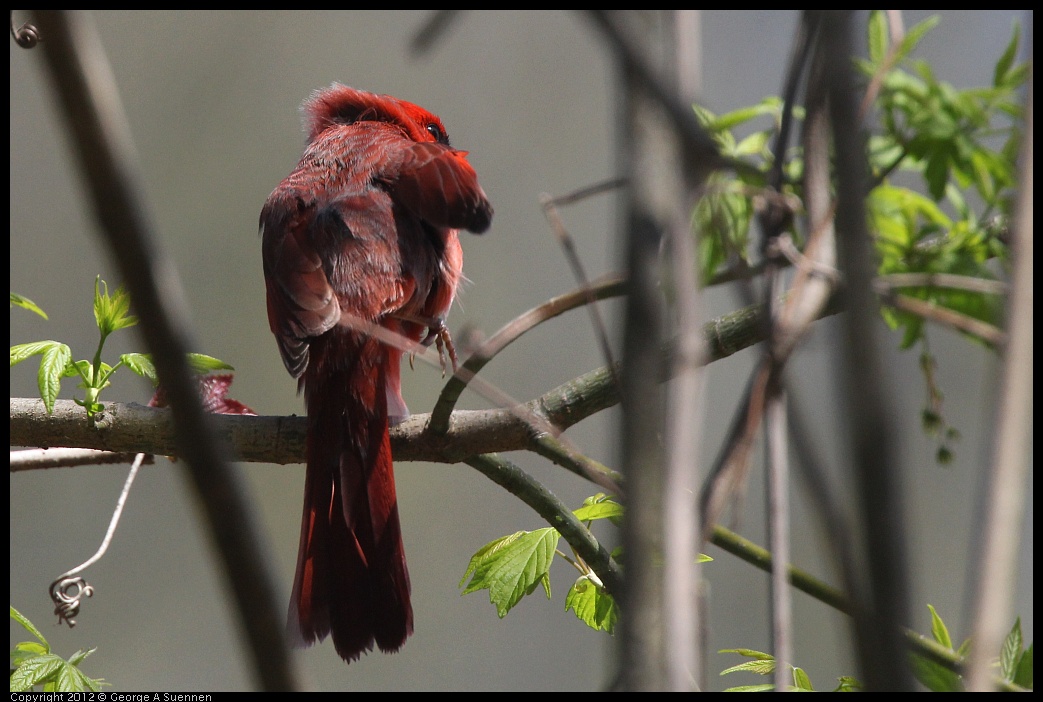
(134, 428)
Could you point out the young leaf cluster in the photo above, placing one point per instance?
(1015, 665)
(960, 147)
(944, 163)
(111, 313)
(33, 664)
(1015, 662)
(764, 664)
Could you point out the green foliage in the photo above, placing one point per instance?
(931, 674)
(944, 165)
(764, 664)
(111, 313)
(724, 213)
(960, 148)
(1015, 664)
(512, 567)
(33, 664)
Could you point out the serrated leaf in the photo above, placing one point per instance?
(20, 352)
(760, 667)
(515, 569)
(77, 658)
(24, 651)
(749, 653)
(36, 671)
(52, 368)
(27, 304)
(485, 552)
(592, 604)
(141, 363)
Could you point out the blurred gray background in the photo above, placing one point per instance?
(212, 100)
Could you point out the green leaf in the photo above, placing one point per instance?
(1023, 674)
(846, 683)
(27, 304)
(24, 651)
(600, 510)
(721, 221)
(141, 363)
(934, 676)
(20, 352)
(760, 667)
(768, 106)
(939, 630)
(592, 604)
(201, 363)
(512, 567)
(1011, 651)
(916, 34)
(751, 688)
(753, 144)
(999, 75)
(28, 626)
(878, 37)
(52, 367)
(749, 653)
(36, 671)
(83, 369)
(762, 663)
(801, 681)
(77, 658)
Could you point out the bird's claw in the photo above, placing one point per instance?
(439, 334)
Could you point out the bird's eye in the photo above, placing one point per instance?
(437, 132)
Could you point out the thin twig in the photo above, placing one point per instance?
(609, 286)
(944, 315)
(550, 211)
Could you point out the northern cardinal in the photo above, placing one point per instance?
(363, 231)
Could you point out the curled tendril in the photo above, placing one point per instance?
(27, 36)
(66, 593)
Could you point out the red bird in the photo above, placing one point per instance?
(363, 231)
